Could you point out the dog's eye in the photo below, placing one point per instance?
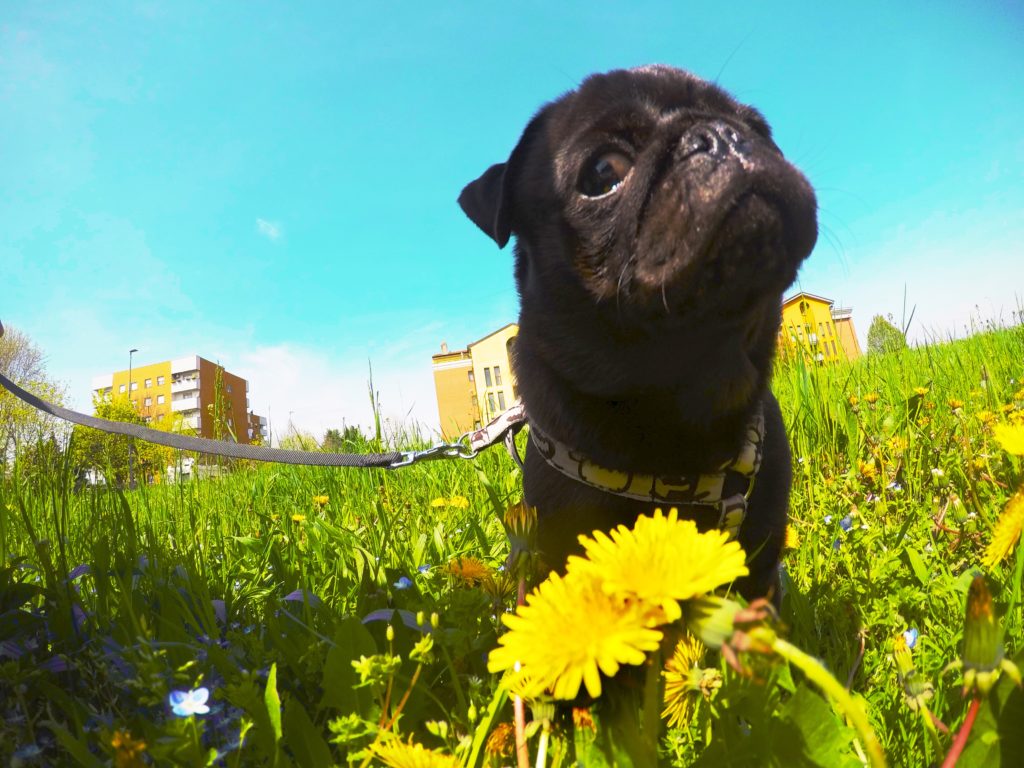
(604, 174)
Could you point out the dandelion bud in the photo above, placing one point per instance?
(435, 620)
(421, 619)
(983, 642)
(390, 634)
(471, 714)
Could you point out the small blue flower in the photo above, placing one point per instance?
(837, 544)
(828, 519)
(425, 568)
(911, 637)
(846, 523)
(188, 703)
(403, 583)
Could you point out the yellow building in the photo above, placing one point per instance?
(475, 384)
(812, 324)
(187, 386)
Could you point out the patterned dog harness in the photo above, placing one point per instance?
(704, 490)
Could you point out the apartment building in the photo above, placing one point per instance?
(814, 325)
(475, 384)
(188, 385)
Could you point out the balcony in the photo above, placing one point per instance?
(185, 403)
(185, 385)
(192, 422)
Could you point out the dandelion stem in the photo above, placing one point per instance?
(961, 736)
(522, 751)
(542, 744)
(821, 677)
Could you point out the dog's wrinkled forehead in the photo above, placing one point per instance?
(651, 90)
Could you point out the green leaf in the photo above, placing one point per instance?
(351, 641)
(273, 702)
(77, 748)
(303, 738)
(810, 733)
(917, 566)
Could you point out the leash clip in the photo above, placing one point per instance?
(456, 450)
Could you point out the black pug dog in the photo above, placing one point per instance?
(657, 225)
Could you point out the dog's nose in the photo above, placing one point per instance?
(716, 138)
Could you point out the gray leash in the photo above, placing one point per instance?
(465, 447)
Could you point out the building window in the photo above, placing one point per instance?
(821, 330)
(147, 402)
(121, 389)
(476, 402)
(497, 375)
(490, 402)
(471, 375)
(135, 385)
(149, 383)
(159, 381)
(228, 387)
(487, 377)
(160, 399)
(501, 401)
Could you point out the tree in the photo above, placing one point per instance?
(884, 337)
(348, 439)
(297, 440)
(22, 425)
(107, 453)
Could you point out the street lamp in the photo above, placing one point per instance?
(131, 443)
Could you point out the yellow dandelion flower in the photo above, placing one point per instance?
(853, 399)
(920, 391)
(867, 469)
(1008, 408)
(399, 754)
(985, 417)
(682, 682)
(321, 501)
(1010, 437)
(792, 538)
(871, 397)
(470, 570)
(128, 751)
(897, 444)
(459, 502)
(1007, 531)
(955, 404)
(568, 633)
(661, 561)
(502, 741)
(298, 518)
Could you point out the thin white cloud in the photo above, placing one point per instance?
(269, 229)
(312, 391)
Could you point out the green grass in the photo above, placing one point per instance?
(247, 586)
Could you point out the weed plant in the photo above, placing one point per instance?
(297, 616)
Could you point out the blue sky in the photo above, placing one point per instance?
(273, 185)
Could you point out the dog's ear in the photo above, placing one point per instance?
(486, 204)
(488, 200)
